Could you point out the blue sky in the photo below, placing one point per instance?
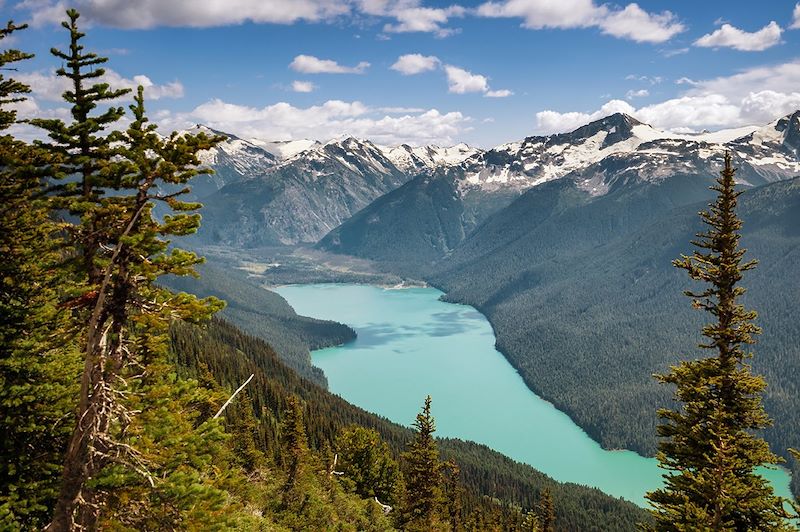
(478, 72)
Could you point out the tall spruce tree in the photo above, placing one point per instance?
(109, 183)
(37, 374)
(710, 448)
(294, 451)
(546, 512)
(423, 475)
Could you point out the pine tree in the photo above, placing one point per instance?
(118, 251)
(366, 463)
(423, 474)
(453, 495)
(530, 522)
(294, 451)
(709, 448)
(37, 375)
(546, 512)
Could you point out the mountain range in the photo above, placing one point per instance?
(563, 241)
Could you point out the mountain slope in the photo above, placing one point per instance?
(231, 357)
(586, 305)
(233, 160)
(596, 158)
(302, 198)
(266, 315)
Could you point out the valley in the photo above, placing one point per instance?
(583, 224)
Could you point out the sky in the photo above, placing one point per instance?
(427, 71)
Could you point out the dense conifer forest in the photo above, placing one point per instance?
(113, 407)
(127, 404)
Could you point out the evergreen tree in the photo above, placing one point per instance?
(109, 182)
(36, 372)
(709, 448)
(423, 474)
(453, 495)
(367, 464)
(530, 522)
(294, 451)
(546, 512)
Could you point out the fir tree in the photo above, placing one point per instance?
(36, 372)
(118, 252)
(294, 451)
(453, 495)
(530, 523)
(546, 512)
(423, 474)
(710, 448)
(366, 463)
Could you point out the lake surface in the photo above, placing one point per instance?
(410, 345)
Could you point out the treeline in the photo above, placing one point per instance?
(113, 411)
(231, 356)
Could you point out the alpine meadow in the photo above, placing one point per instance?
(281, 266)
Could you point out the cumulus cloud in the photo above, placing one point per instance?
(410, 64)
(303, 86)
(308, 64)
(795, 18)
(50, 87)
(728, 36)
(754, 96)
(334, 118)
(460, 81)
(408, 15)
(153, 13)
(630, 22)
(424, 19)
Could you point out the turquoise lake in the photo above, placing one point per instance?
(410, 345)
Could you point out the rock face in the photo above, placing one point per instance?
(311, 192)
(429, 217)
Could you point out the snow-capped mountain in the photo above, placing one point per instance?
(284, 149)
(233, 159)
(418, 159)
(434, 213)
(303, 197)
(620, 144)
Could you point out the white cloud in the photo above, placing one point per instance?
(641, 93)
(423, 19)
(502, 93)
(410, 64)
(754, 96)
(408, 15)
(554, 122)
(303, 86)
(638, 25)
(728, 36)
(153, 13)
(631, 22)
(462, 81)
(50, 87)
(308, 64)
(795, 18)
(334, 118)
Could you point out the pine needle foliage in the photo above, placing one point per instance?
(37, 373)
(710, 445)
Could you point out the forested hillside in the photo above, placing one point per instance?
(266, 315)
(587, 306)
(230, 356)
